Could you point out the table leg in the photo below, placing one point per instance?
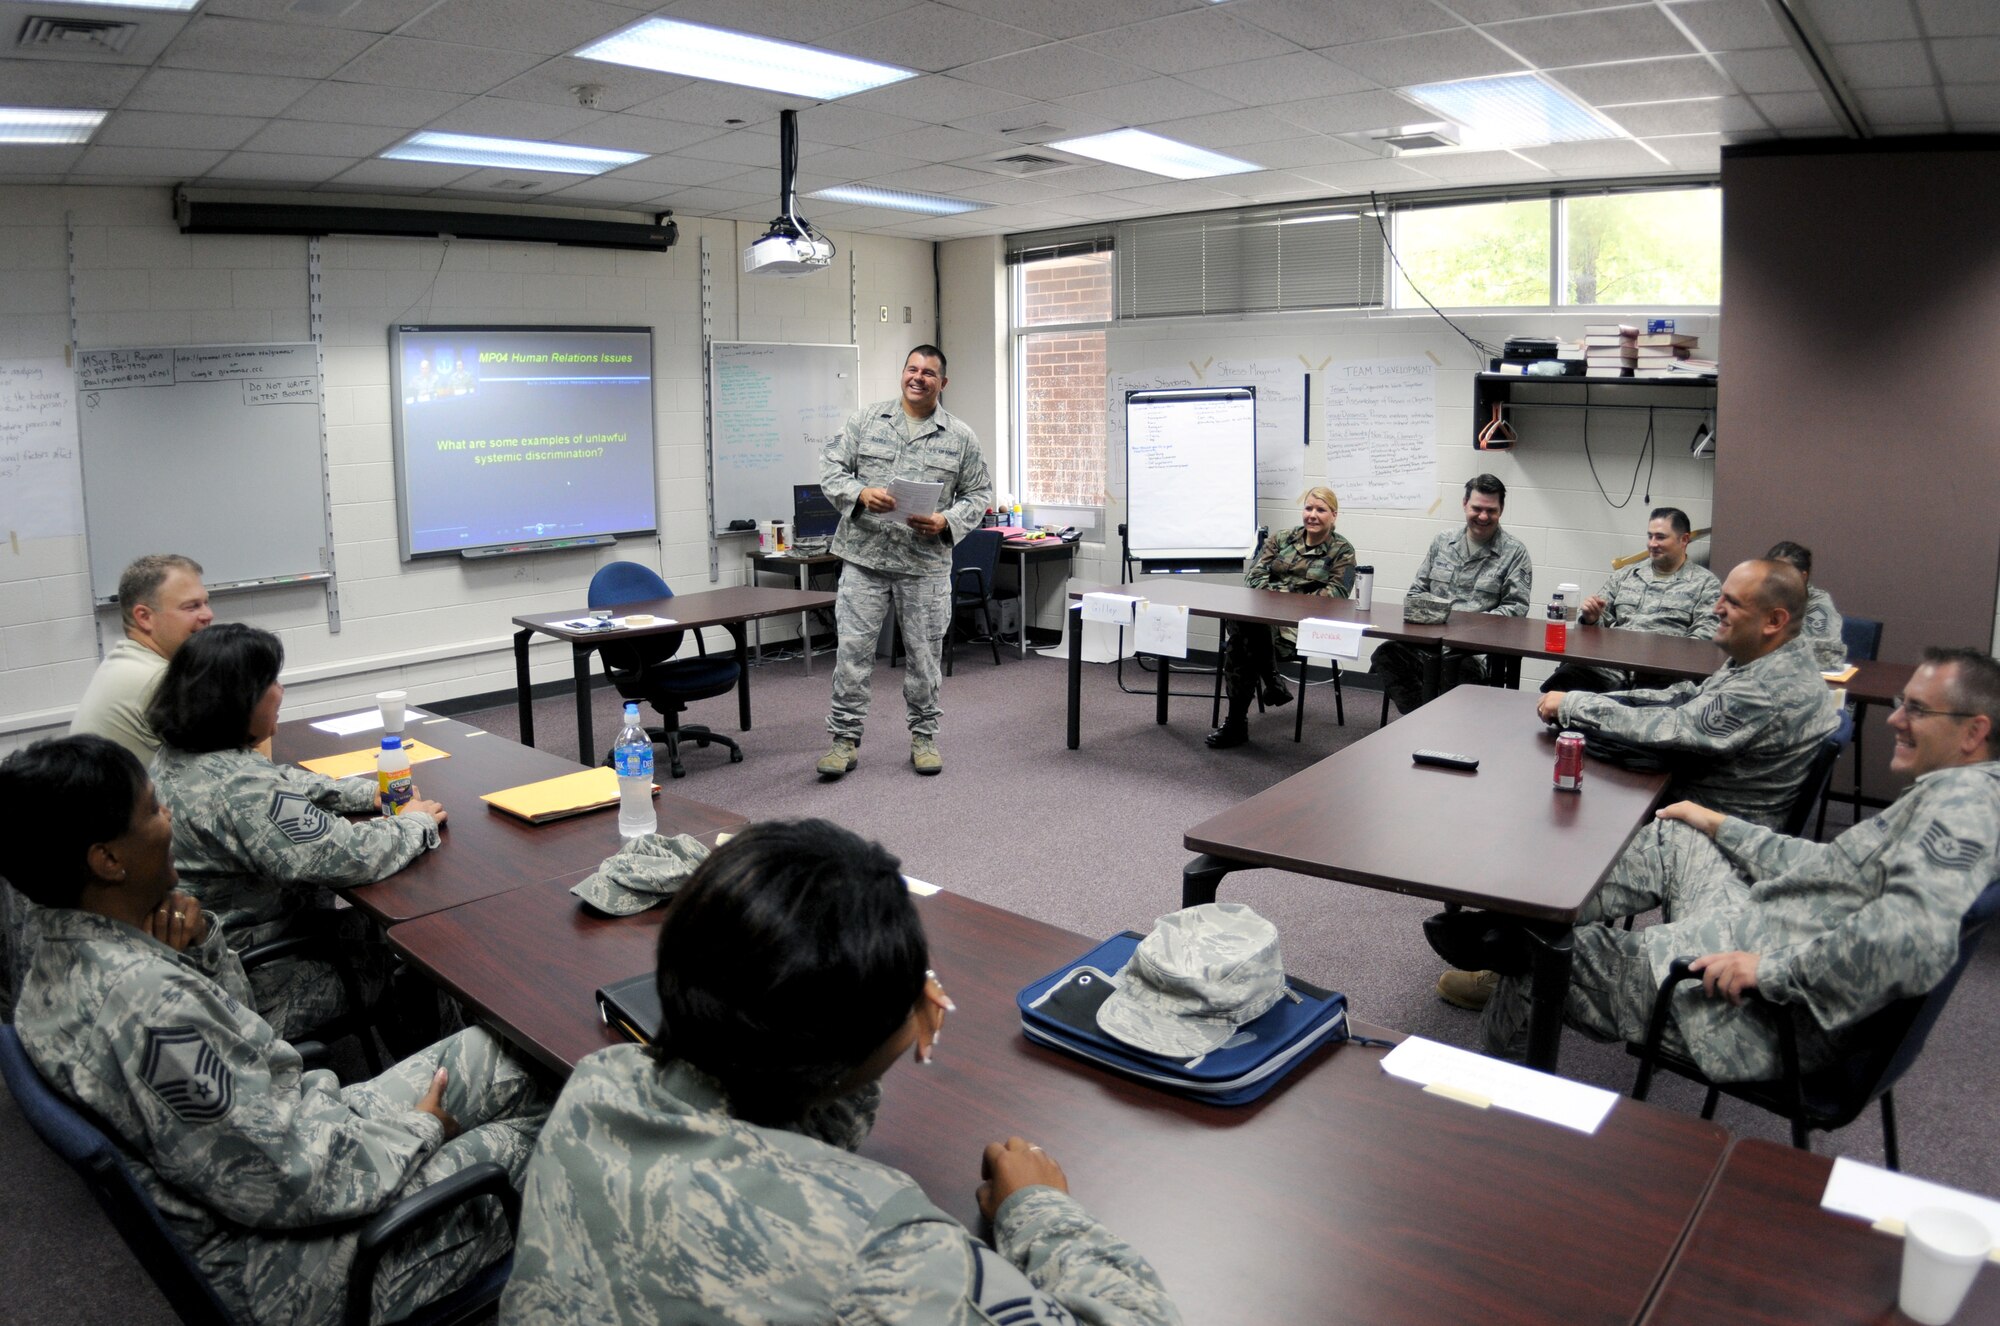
(1299, 718)
(805, 636)
(1075, 673)
(1021, 598)
(585, 740)
(1160, 697)
(1202, 876)
(742, 676)
(1552, 950)
(523, 696)
(1432, 684)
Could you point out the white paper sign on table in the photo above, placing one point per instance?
(1115, 608)
(1322, 638)
(1161, 628)
(346, 725)
(1496, 1082)
(1878, 1194)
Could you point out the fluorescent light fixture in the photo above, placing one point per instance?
(932, 204)
(1513, 110)
(34, 126)
(1328, 216)
(510, 153)
(178, 5)
(1159, 156)
(719, 55)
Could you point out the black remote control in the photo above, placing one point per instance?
(1445, 759)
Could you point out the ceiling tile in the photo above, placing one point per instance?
(836, 124)
(1193, 40)
(165, 129)
(1960, 18)
(784, 19)
(1932, 127)
(1741, 117)
(932, 44)
(1979, 102)
(1877, 64)
(1049, 72)
(743, 147)
(518, 25)
(213, 94)
(932, 179)
(1355, 113)
(638, 133)
(1499, 11)
(940, 145)
(1144, 103)
(1068, 18)
(1796, 110)
(402, 175)
(619, 88)
(1226, 129)
(1049, 122)
(1312, 150)
(27, 165)
(362, 16)
(278, 168)
(1038, 190)
(1173, 194)
(1889, 107)
(709, 202)
(1690, 151)
(1968, 60)
(1094, 207)
(1476, 167)
(318, 138)
(1266, 186)
(1433, 57)
(65, 83)
(499, 117)
(1730, 25)
(1610, 34)
(666, 170)
(1316, 23)
(500, 185)
(1361, 176)
(1614, 156)
(359, 103)
(1656, 119)
(1864, 20)
(717, 104)
(849, 163)
(407, 62)
(1101, 177)
(608, 189)
(145, 162)
(934, 98)
(1281, 78)
(246, 46)
(1767, 71)
(1645, 80)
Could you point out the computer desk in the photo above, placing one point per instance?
(786, 563)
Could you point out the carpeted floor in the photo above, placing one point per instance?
(1089, 840)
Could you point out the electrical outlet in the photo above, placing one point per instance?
(885, 312)
(906, 313)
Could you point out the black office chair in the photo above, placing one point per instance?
(83, 1143)
(975, 564)
(646, 669)
(1881, 1050)
(1862, 637)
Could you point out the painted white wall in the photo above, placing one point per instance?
(437, 628)
(973, 277)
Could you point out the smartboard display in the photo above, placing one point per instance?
(521, 437)
(772, 410)
(1191, 473)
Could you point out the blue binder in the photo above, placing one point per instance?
(1060, 1011)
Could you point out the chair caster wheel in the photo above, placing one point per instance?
(736, 757)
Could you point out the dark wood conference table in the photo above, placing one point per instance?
(1344, 1196)
(483, 851)
(1240, 603)
(1501, 838)
(1600, 646)
(800, 566)
(728, 608)
(1763, 1253)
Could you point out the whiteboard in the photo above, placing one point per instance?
(1191, 472)
(211, 451)
(772, 410)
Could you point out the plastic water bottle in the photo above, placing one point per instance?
(392, 776)
(632, 757)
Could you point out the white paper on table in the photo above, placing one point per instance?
(625, 623)
(914, 497)
(919, 887)
(1322, 638)
(1115, 608)
(346, 725)
(1878, 1194)
(1507, 1086)
(1161, 628)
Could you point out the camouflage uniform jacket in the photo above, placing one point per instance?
(1494, 578)
(870, 451)
(219, 1120)
(1823, 629)
(1841, 928)
(1641, 599)
(1289, 563)
(255, 842)
(648, 1203)
(1749, 730)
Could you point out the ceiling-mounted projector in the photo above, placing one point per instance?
(791, 247)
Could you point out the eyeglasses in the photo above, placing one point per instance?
(1916, 711)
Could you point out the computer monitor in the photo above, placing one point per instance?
(813, 516)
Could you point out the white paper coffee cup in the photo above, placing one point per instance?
(1572, 600)
(392, 703)
(1943, 1250)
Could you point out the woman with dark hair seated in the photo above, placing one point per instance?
(135, 1009)
(710, 1177)
(262, 844)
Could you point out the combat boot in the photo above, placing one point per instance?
(924, 755)
(841, 759)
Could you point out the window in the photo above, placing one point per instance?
(1475, 256)
(1060, 374)
(1294, 258)
(1643, 248)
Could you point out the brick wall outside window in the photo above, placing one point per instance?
(1062, 380)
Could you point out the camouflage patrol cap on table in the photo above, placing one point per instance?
(1426, 609)
(1201, 974)
(644, 872)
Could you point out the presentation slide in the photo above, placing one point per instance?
(513, 435)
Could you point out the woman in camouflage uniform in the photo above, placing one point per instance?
(1310, 559)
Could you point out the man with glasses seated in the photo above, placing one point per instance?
(1826, 933)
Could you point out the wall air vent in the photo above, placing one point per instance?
(105, 36)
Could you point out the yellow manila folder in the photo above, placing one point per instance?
(553, 798)
(363, 761)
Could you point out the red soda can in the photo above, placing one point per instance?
(1569, 762)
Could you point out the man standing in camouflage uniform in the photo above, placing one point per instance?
(899, 563)
(1667, 594)
(1823, 624)
(135, 1009)
(1481, 568)
(1825, 933)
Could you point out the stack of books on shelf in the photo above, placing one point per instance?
(1667, 354)
(1610, 350)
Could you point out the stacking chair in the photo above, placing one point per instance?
(82, 1142)
(1882, 1048)
(646, 669)
(1812, 792)
(1862, 637)
(975, 564)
